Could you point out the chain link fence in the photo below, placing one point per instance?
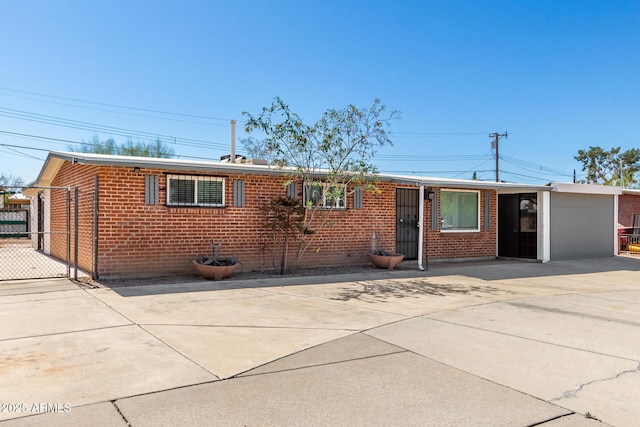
(36, 233)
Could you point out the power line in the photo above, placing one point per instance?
(429, 157)
(434, 134)
(26, 135)
(116, 112)
(10, 146)
(534, 167)
(537, 178)
(534, 143)
(436, 171)
(111, 105)
(93, 127)
(472, 169)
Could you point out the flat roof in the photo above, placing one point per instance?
(55, 159)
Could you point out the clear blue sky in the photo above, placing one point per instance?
(557, 75)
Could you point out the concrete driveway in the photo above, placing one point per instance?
(500, 343)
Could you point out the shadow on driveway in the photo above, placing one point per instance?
(382, 290)
(376, 285)
(514, 269)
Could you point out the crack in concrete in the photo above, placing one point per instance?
(573, 313)
(573, 392)
(113, 402)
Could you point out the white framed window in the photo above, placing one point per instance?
(190, 190)
(459, 210)
(325, 196)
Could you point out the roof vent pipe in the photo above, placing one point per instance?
(233, 141)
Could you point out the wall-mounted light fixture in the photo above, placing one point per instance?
(430, 195)
(136, 169)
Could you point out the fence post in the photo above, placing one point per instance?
(75, 235)
(68, 231)
(95, 228)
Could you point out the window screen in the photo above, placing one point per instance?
(186, 190)
(459, 210)
(325, 196)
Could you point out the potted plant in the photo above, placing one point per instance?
(215, 268)
(384, 259)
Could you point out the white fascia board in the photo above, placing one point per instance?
(168, 164)
(49, 170)
(460, 183)
(561, 187)
(244, 168)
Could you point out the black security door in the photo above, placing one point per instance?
(407, 222)
(508, 231)
(517, 225)
(41, 221)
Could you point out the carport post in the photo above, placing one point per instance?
(420, 227)
(75, 234)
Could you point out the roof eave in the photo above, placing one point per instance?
(449, 183)
(169, 164)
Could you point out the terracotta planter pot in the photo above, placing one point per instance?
(385, 261)
(215, 272)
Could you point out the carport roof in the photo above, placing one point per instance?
(562, 187)
(55, 159)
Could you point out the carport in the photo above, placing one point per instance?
(567, 221)
(583, 221)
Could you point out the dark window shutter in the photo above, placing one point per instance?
(487, 209)
(434, 210)
(238, 193)
(292, 190)
(151, 190)
(357, 198)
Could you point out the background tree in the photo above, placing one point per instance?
(156, 148)
(332, 157)
(604, 166)
(9, 185)
(9, 182)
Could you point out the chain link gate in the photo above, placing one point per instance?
(39, 232)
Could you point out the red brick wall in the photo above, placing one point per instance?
(628, 205)
(450, 246)
(83, 177)
(146, 240)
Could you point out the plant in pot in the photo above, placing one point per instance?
(383, 259)
(215, 267)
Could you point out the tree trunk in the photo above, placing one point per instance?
(285, 251)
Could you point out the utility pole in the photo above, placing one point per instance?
(494, 144)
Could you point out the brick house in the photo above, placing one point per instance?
(628, 205)
(140, 217)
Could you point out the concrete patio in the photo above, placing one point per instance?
(498, 343)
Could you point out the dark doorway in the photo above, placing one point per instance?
(41, 221)
(518, 225)
(407, 222)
